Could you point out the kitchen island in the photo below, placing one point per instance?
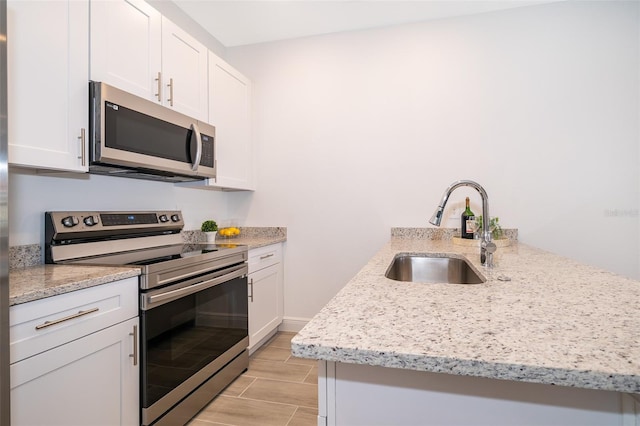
(558, 343)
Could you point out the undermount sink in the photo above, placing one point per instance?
(423, 268)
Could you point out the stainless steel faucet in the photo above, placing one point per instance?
(487, 248)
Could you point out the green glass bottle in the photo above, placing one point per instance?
(465, 227)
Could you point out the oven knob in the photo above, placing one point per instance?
(163, 218)
(70, 221)
(90, 221)
(175, 218)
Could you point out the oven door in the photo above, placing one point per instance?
(189, 331)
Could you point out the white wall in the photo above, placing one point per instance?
(31, 195)
(361, 131)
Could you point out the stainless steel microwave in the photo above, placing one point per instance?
(133, 137)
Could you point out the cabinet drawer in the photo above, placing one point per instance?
(263, 257)
(46, 323)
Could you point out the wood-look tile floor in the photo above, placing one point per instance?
(278, 389)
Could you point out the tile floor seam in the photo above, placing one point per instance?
(272, 402)
(292, 416)
(301, 382)
(246, 388)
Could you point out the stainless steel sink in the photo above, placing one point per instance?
(422, 268)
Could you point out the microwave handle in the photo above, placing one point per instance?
(196, 161)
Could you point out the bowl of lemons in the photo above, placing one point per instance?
(229, 232)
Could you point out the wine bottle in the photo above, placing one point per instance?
(465, 227)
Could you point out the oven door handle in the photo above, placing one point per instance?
(150, 301)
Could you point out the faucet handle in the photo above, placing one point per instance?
(487, 248)
(490, 247)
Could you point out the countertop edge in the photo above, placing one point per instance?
(473, 368)
(37, 282)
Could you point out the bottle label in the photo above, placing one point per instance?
(470, 225)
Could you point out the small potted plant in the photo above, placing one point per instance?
(210, 229)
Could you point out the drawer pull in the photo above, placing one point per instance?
(266, 256)
(134, 355)
(70, 317)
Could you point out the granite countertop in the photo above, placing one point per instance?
(29, 280)
(556, 322)
(38, 282)
(251, 242)
(255, 237)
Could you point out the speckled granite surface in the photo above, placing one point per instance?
(442, 233)
(25, 256)
(38, 282)
(253, 237)
(30, 280)
(556, 322)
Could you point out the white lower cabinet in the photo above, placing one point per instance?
(90, 381)
(265, 293)
(75, 358)
(358, 394)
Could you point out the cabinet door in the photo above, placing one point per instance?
(48, 69)
(125, 46)
(89, 381)
(265, 303)
(229, 112)
(184, 72)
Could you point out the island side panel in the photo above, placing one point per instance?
(369, 395)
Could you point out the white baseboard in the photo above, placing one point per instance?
(293, 324)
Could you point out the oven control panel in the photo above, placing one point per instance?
(62, 225)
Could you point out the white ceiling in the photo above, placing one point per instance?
(241, 22)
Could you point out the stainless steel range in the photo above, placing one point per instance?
(193, 302)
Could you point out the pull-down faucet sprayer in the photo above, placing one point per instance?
(487, 248)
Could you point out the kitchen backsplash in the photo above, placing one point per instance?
(25, 256)
(197, 236)
(441, 233)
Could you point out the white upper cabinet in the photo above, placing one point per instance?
(134, 48)
(125, 46)
(230, 113)
(48, 70)
(184, 71)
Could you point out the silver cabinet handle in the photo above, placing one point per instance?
(170, 85)
(134, 355)
(83, 147)
(196, 132)
(159, 80)
(266, 256)
(251, 286)
(67, 318)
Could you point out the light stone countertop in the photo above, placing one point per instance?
(29, 280)
(256, 237)
(251, 242)
(38, 282)
(556, 322)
